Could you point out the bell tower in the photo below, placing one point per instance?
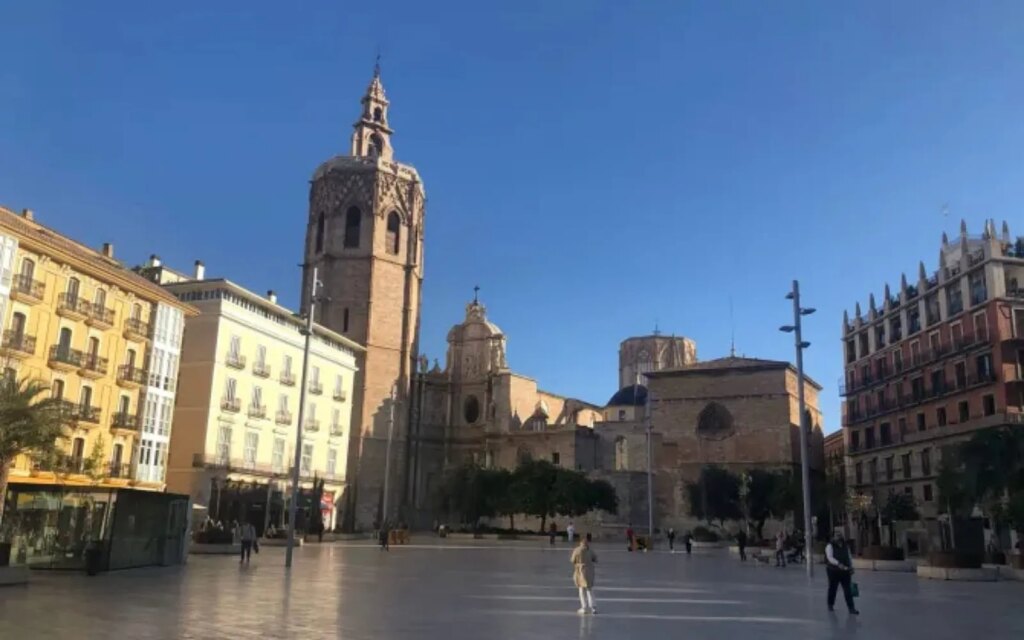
(364, 235)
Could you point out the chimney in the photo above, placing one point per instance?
(28, 214)
(200, 271)
(272, 296)
(108, 249)
(154, 260)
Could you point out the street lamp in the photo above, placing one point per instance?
(795, 328)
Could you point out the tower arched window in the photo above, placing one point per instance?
(394, 233)
(378, 114)
(376, 145)
(321, 227)
(621, 454)
(353, 222)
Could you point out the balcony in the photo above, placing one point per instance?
(122, 421)
(231, 405)
(17, 344)
(316, 388)
(312, 426)
(80, 414)
(25, 289)
(235, 360)
(258, 411)
(131, 377)
(121, 470)
(135, 329)
(261, 369)
(283, 417)
(340, 395)
(337, 430)
(64, 358)
(216, 461)
(72, 307)
(92, 366)
(287, 378)
(100, 317)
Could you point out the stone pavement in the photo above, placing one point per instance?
(463, 591)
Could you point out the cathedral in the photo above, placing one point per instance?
(411, 422)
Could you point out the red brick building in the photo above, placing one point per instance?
(934, 362)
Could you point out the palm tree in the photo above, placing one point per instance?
(28, 423)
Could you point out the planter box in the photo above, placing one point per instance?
(201, 549)
(349, 536)
(951, 573)
(1017, 561)
(882, 553)
(277, 542)
(1009, 573)
(904, 566)
(10, 576)
(718, 544)
(955, 560)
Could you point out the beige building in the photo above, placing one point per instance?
(104, 340)
(238, 400)
(364, 238)
(640, 355)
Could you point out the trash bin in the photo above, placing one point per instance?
(93, 559)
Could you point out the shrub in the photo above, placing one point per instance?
(703, 534)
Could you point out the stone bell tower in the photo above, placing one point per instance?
(365, 238)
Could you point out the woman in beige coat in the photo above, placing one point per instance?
(583, 560)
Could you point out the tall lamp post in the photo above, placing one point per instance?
(795, 329)
(307, 331)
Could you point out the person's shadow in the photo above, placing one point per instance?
(586, 626)
(845, 630)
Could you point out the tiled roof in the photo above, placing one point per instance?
(726, 364)
(47, 241)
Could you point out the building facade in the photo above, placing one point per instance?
(364, 240)
(237, 413)
(104, 340)
(936, 361)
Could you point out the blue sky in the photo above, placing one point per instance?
(595, 167)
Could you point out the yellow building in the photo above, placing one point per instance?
(103, 339)
(236, 417)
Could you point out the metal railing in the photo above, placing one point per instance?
(72, 303)
(134, 326)
(235, 360)
(258, 411)
(100, 314)
(283, 417)
(316, 388)
(131, 373)
(23, 283)
(19, 341)
(232, 404)
(261, 369)
(287, 378)
(122, 420)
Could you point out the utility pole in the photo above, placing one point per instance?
(795, 329)
(387, 453)
(293, 506)
(650, 476)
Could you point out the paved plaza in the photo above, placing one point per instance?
(518, 591)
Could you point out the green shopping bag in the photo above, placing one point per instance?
(854, 590)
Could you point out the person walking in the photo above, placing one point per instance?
(583, 560)
(385, 533)
(741, 542)
(688, 542)
(552, 532)
(671, 535)
(247, 536)
(840, 572)
(570, 532)
(629, 537)
(780, 549)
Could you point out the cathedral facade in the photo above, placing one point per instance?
(411, 422)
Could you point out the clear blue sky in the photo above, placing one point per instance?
(594, 166)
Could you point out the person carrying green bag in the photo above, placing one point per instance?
(840, 572)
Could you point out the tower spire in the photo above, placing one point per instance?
(371, 135)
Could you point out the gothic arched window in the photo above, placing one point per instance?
(353, 222)
(621, 454)
(394, 233)
(321, 227)
(714, 422)
(378, 114)
(376, 145)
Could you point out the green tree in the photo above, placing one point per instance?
(715, 495)
(533, 485)
(898, 506)
(834, 490)
(30, 422)
(575, 494)
(956, 489)
(759, 498)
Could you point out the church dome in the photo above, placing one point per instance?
(634, 395)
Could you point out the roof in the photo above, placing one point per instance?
(273, 307)
(45, 240)
(722, 366)
(634, 395)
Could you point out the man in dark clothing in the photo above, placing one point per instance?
(839, 570)
(672, 539)
(688, 541)
(741, 542)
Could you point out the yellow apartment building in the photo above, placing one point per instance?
(237, 413)
(103, 339)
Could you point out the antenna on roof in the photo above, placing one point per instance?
(657, 331)
(732, 332)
